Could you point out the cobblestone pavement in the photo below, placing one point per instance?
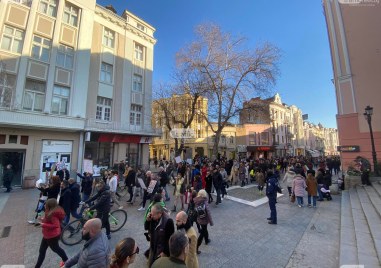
(240, 237)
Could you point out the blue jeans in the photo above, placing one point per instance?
(272, 205)
(166, 192)
(319, 191)
(300, 200)
(313, 200)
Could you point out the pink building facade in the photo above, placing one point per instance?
(355, 44)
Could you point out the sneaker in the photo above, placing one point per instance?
(141, 209)
(121, 207)
(299, 206)
(309, 205)
(314, 206)
(62, 264)
(109, 236)
(222, 199)
(32, 222)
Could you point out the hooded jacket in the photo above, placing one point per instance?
(51, 225)
(288, 178)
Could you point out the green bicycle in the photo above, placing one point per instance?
(72, 232)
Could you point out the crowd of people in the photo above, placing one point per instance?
(192, 186)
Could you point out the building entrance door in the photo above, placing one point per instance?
(16, 159)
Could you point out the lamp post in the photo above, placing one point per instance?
(368, 117)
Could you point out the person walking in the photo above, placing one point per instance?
(208, 185)
(242, 173)
(125, 253)
(164, 180)
(183, 223)
(7, 178)
(312, 185)
(288, 179)
(102, 205)
(51, 231)
(260, 179)
(160, 228)
(178, 192)
(217, 182)
(65, 200)
(95, 251)
(204, 217)
(130, 183)
(86, 184)
(299, 186)
(113, 184)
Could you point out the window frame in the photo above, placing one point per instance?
(137, 82)
(61, 97)
(12, 37)
(136, 113)
(71, 11)
(104, 72)
(66, 52)
(104, 106)
(108, 36)
(34, 92)
(6, 95)
(41, 48)
(50, 5)
(139, 52)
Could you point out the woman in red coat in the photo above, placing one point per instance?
(51, 231)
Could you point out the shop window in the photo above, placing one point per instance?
(12, 139)
(24, 140)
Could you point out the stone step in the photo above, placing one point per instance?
(377, 187)
(348, 245)
(368, 201)
(366, 251)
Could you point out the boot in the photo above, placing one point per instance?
(174, 209)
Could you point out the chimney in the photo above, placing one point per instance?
(111, 8)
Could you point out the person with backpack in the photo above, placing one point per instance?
(204, 217)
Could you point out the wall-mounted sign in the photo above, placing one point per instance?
(348, 148)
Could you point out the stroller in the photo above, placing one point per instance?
(40, 208)
(326, 192)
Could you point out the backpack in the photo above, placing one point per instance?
(201, 211)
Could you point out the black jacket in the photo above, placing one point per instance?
(163, 178)
(52, 191)
(272, 187)
(130, 179)
(103, 197)
(75, 197)
(63, 174)
(65, 200)
(8, 175)
(86, 184)
(217, 179)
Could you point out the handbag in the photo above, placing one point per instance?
(292, 199)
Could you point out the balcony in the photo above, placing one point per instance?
(21, 118)
(93, 124)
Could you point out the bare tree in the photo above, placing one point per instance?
(175, 106)
(6, 87)
(230, 72)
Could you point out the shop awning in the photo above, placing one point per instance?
(260, 148)
(119, 138)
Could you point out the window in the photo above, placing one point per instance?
(108, 38)
(252, 138)
(12, 39)
(65, 57)
(138, 83)
(106, 72)
(223, 139)
(104, 106)
(12, 139)
(60, 102)
(24, 140)
(34, 95)
(265, 138)
(48, 7)
(41, 48)
(140, 27)
(71, 14)
(7, 84)
(139, 52)
(231, 139)
(136, 115)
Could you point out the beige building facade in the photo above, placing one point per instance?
(76, 85)
(355, 43)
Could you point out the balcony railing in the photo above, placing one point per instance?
(93, 124)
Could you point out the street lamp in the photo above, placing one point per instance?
(368, 117)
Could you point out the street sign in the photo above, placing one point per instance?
(182, 133)
(348, 148)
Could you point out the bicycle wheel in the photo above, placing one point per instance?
(117, 219)
(72, 233)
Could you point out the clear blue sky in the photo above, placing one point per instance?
(297, 27)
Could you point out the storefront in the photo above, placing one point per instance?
(256, 152)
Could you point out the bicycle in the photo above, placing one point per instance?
(72, 232)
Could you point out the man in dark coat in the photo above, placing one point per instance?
(75, 198)
(86, 185)
(102, 205)
(164, 179)
(217, 182)
(130, 182)
(160, 227)
(63, 174)
(65, 200)
(7, 178)
(272, 189)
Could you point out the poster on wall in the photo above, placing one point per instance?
(88, 165)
